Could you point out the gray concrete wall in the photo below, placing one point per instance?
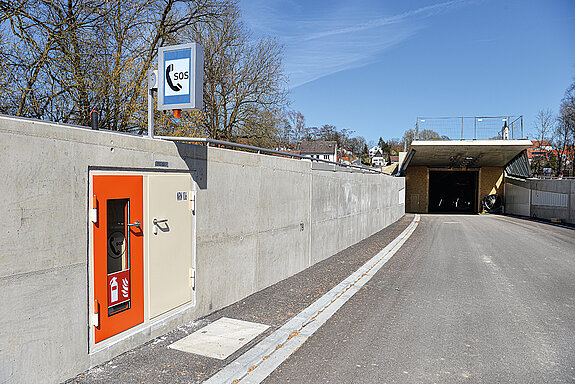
(517, 198)
(260, 219)
(555, 190)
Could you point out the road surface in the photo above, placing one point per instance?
(468, 298)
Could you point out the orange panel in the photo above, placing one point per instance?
(124, 188)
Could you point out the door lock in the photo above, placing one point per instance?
(156, 222)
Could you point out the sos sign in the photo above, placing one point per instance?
(177, 72)
(180, 72)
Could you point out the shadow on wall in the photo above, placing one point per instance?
(196, 158)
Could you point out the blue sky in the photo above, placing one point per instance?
(374, 66)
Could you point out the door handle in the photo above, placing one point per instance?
(136, 224)
(156, 222)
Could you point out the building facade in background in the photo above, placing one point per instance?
(324, 150)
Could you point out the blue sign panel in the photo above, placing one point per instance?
(177, 71)
(180, 70)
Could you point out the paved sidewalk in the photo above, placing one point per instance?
(154, 362)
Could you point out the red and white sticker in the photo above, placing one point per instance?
(118, 287)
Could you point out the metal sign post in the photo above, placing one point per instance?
(152, 86)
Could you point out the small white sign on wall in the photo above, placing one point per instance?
(401, 196)
(182, 196)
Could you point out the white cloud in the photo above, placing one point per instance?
(343, 35)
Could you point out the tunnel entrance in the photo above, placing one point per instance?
(453, 191)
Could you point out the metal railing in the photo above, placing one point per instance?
(470, 128)
(208, 141)
(541, 177)
(258, 150)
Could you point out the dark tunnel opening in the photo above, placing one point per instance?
(453, 191)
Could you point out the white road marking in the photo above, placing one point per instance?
(260, 361)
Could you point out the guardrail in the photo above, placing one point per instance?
(208, 141)
(552, 178)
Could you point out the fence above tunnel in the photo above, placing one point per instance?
(470, 128)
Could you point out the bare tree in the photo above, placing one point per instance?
(65, 56)
(296, 124)
(426, 134)
(408, 137)
(544, 127)
(41, 36)
(244, 83)
(565, 132)
(356, 145)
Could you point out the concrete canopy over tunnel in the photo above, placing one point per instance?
(453, 176)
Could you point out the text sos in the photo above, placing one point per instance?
(180, 75)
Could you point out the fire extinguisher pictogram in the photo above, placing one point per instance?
(113, 290)
(118, 287)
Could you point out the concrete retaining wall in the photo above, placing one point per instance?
(260, 219)
(545, 199)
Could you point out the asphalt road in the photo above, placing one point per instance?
(468, 298)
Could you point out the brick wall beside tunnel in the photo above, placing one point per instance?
(490, 181)
(417, 189)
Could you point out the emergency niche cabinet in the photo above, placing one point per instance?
(142, 248)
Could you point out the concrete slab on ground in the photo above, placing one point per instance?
(221, 338)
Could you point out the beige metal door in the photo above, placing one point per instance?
(170, 257)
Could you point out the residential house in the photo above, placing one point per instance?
(540, 150)
(373, 150)
(543, 157)
(345, 156)
(377, 159)
(325, 150)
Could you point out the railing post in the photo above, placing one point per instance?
(475, 128)
(462, 137)
(152, 85)
(94, 121)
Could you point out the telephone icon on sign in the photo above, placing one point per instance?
(176, 87)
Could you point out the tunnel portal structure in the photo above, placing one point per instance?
(454, 176)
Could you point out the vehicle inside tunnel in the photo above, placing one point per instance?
(453, 191)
